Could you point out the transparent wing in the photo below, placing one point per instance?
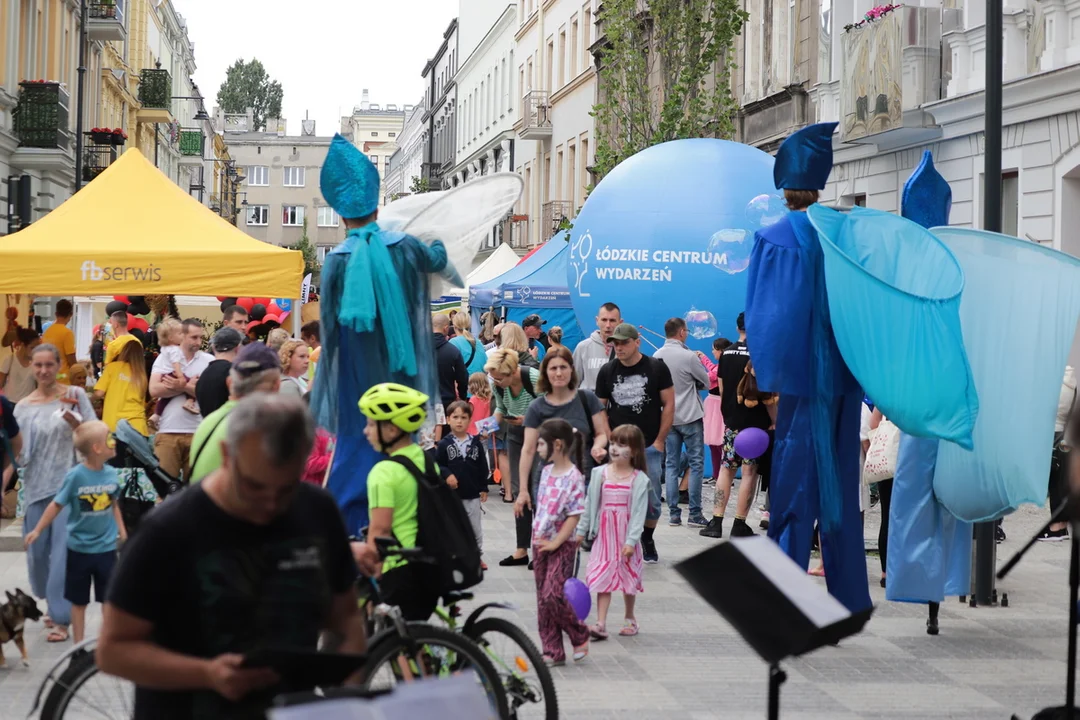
(460, 217)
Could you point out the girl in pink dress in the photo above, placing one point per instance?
(618, 499)
(714, 419)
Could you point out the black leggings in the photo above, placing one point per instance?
(885, 496)
(1057, 489)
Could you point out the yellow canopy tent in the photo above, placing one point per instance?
(132, 231)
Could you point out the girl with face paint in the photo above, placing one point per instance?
(617, 503)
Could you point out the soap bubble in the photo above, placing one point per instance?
(731, 250)
(765, 210)
(701, 324)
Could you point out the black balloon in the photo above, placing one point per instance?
(224, 304)
(258, 311)
(116, 306)
(138, 306)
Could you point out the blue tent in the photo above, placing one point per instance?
(537, 285)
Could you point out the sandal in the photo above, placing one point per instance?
(819, 571)
(58, 634)
(47, 622)
(630, 629)
(552, 662)
(581, 652)
(598, 632)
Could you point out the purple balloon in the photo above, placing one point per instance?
(751, 443)
(578, 594)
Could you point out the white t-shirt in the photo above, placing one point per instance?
(173, 355)
(175, 419)
(20, 380)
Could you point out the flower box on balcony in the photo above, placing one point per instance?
(41, 116)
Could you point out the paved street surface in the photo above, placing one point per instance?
(687, 661)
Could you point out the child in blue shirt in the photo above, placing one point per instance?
(94, 522)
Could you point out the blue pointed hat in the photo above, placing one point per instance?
(927, 197)
(804, 160)
(349, 181)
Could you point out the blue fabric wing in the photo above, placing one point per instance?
(1019, 314)
(929, 549)
(894, 296)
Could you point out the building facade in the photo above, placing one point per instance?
(440, 115)
(375, 130)
(556, 80)
(279, 195)
(407, 162)
(487, 100)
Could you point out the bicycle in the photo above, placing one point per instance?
(77, 690)
(525, 677)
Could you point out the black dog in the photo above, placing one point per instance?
(19, 608)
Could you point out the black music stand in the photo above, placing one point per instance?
(775, 606)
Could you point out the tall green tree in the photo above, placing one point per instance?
(311, 255)
(664, 74)
(248, 85)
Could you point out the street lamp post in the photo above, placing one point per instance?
(80, 95)
(985, 542)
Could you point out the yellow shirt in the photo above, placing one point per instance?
(64, 340)
(115, 346)
(122, 400)
(314, 356)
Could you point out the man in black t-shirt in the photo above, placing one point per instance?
(10, 447)
(250, 558)
(737, 417)
(212, 389)
(638, 390)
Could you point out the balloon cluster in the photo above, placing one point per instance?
(133, 305)
(260, 310)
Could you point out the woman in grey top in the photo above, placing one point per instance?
(47, 419)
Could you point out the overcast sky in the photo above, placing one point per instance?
(324, 52)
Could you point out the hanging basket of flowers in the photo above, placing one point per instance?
(118, 137)
(100, 136)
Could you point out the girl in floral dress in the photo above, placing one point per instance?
(617, 502)
(560, 502)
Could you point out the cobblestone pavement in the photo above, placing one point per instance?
(987, 662)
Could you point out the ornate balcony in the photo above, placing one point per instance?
(41, 117)
(155, 96)
(556, 214)
(891, 68)
(105, 20)
(536, 116)
(96, 158)
(192, 144)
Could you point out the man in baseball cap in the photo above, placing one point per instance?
(537, 337)
(212, 389)
(256, 368)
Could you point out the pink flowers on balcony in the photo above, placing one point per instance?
(875, 14)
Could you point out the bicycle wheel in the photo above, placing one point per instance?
(530, 689)
(442, 653)
(81, 692)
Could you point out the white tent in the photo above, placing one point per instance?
(495, 265)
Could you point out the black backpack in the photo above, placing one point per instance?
(526, 384)
(443, 529)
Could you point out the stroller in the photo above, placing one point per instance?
(134, 502)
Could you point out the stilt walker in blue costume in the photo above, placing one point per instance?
(815, 472)
(375, 300)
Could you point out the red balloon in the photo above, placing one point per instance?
(246, 303)
(139, 324)
(264, 301)
(282, 316)
(273, 309)
(222, 298)
(253, 324)
(122, 298)
(271, 318)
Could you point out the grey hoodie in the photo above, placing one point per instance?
(590, 355)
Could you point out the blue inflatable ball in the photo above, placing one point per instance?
(668, 233)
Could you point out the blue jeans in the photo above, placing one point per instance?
(654, 461)
(693, 436)
(46, 560)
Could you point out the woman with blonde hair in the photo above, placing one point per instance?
(515, 389)
(512, 337)
(472, 350)
(295, 358)
(277, 338)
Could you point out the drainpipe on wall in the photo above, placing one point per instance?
(538, 188)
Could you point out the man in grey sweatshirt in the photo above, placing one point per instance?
(688, 428)
(595, 351)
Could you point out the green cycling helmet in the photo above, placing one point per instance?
(398, 404)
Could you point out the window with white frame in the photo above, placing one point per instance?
(321, 252)
(292, 215)
(293, 176)
(374, 134)
(327, 217)
(375, 160)
(258, 215)
(258, 175)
